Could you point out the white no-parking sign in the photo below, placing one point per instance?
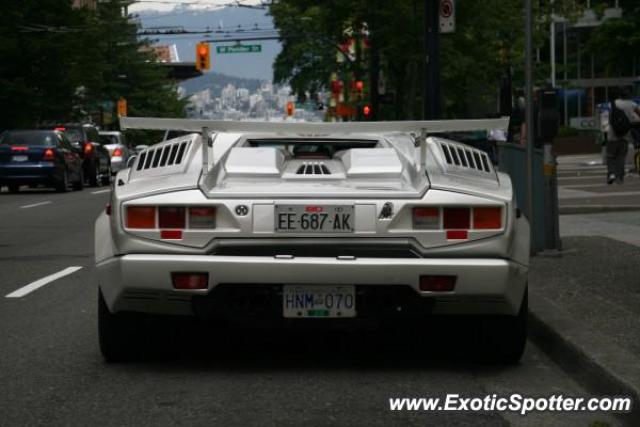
(447, 16)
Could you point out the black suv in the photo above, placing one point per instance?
(96, 161)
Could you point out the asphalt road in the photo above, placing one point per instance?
(51, 370)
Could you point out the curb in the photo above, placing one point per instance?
(597, 363)
(588, 209)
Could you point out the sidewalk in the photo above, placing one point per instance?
(582, 186)
(585, 304)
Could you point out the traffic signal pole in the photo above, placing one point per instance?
(528, 72)
(431, 88)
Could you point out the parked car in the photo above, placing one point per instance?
(96, 158)
(120, 152)
(39, 157)
(313, 224)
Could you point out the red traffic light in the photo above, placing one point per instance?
(366, 110)
(202, 49)
(359, 85)
(290, 108)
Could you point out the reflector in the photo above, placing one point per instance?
(437, 283)
(190, 280)
(426, 218)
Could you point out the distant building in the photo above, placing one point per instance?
(89, 4)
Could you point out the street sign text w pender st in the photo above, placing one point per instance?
(248, 48)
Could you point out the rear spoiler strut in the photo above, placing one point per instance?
(420, 128)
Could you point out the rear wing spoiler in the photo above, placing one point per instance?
(420, 128)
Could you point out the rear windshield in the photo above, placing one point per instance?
(74, 135)
(28, 138)
(109, 139)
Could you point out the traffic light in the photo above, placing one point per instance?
(203, 60)
(290, 109)
(366, 111)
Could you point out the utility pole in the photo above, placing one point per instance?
(431, 88)
(528, 68)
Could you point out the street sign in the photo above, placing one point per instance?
(242, 48)
(122, 107)
(447, 16)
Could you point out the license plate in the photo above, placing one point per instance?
(304, 301)
(20, 158)
(315, 218)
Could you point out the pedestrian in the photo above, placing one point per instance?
(623, 113)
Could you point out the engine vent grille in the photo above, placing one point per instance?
(313, 168)
(165, 155)
(465, 157)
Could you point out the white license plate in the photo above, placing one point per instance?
(304, 301)
(314, 218)
(20, 158)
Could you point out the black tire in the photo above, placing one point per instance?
(93, 174)
(106, 178)
(504, 338)
(63, 185)
(120, 334)
(14, 188)
(79, 184)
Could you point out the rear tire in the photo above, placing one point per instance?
(63, 186)
(79, 184)
(106, 178)
(93, 174)
(119, 334)
(504, 338)
(14, 188)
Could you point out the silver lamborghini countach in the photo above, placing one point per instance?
(296, 223)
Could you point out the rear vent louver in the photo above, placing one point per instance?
(165, 155)
(465, 157)
(315, 168)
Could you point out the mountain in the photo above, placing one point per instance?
(216, 82)
(242, 65)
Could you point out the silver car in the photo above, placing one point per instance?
(116, 143)
(297, 224)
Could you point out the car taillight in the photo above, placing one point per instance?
(171, 217)
(487, 218)
(141, 217)
(437, 283)
(19, 148)
(426, 218)
(202, 217)
(88, 148)
(116, 153)
(456, 218)
(60, 129)
(48, 154)
(190, 280)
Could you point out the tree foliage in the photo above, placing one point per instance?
(487, 45)
(60, 63)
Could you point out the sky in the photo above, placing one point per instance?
(168, 5)
(213, 14)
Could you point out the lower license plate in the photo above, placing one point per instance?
(20, 158)
(315, 218)
(303, 301)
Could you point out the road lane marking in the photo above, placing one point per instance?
(25, 290)
(35, 204)
(101, 191)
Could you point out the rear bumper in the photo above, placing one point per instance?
(27, 173)
(117, 164)
(142, 283)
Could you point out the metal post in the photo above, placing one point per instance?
(552, 47)
(431, 90)
(529, 113)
